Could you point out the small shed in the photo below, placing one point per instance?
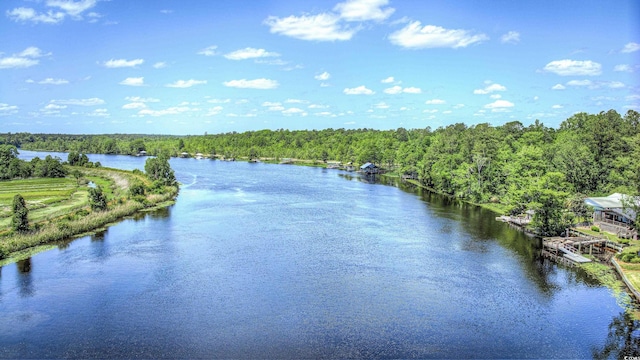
(369, 168)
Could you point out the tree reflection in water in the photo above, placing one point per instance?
(623, 340)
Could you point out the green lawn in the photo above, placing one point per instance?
(46, 198)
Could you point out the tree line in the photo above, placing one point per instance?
(519, 167)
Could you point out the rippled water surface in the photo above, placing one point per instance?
(275, 261)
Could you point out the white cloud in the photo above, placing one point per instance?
(26, 58)
(55, 107)
(294, 111)
(614, 84)
(388, 80)
(499, 104)
(458, 106)
(32, 52)
(80, 102)
(270, 103)
(52, 81)
(73, 8)
(133, 81)
(558, 87)
(580, 83)
(432, 111)
(99, 113)
(208, 51)
(399, 89)
(360, 90)
(574, 67)
(160, 65)
(321, 27)
(512, 37)
(393, 90)
(363, 10)
(435, 102)
(557, 107)
(175, 110)
(16, 62)
(6, 109)
(415, 36)
(382, 105)
(219, 101)
(631, 47)
(141, 99)
(412, 90)
(623, 68)
(186, 83)
(120, 63)
(489, 89)
(296, 101)
(323, 77)
(262, 84)
(28, 14)
(250, 53)
(134, 105)
(318, 106)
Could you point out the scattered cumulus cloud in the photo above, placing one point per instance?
(364, 10)
(360, 90)
(27, 58)
(294, 111)
(209, 51)
(321, 27)
(160, 65)
(121, 63)
(490, 89)
(435, 102)
(323, 77)
(499, 105)
(133, 81)
(512, 37)
(186, 83)
(388, 80)
(6, 109)
(623, 68)
(134, 105)
(399, 89)
(56, 11)
(631, 47)
(141, 99)
(574, 67)
(51, 81)
(262, 84)
(416, 36)
(80, 102)
(580, 83)
(558, 87)
(557, 107)
(250, 53)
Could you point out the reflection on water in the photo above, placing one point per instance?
(268, 261)
(623, 340)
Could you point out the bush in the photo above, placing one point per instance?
(595, 228)
(635, 260)
(627, 257)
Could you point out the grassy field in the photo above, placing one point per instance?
(46, 198)
(59, 208)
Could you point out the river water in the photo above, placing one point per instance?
(280, 261)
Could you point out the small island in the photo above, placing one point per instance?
(44, 201)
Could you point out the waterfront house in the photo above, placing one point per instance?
(369, 168)
(611, 213)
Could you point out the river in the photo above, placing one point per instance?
(281, 261)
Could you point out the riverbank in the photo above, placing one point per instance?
(63, 221)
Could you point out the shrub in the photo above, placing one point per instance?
(635, 260)
(627, 257)
(595, 228)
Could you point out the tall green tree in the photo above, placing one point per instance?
(159, 169)
(97, 199)
(20, 221)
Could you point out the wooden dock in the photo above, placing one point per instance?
(569, 250)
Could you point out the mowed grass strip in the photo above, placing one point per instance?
(46, 198)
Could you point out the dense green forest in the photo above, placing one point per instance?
(516, 166)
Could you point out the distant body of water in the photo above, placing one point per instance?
(276, 261)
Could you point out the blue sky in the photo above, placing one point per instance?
(190, 67)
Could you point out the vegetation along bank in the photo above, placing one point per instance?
(44, 201)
